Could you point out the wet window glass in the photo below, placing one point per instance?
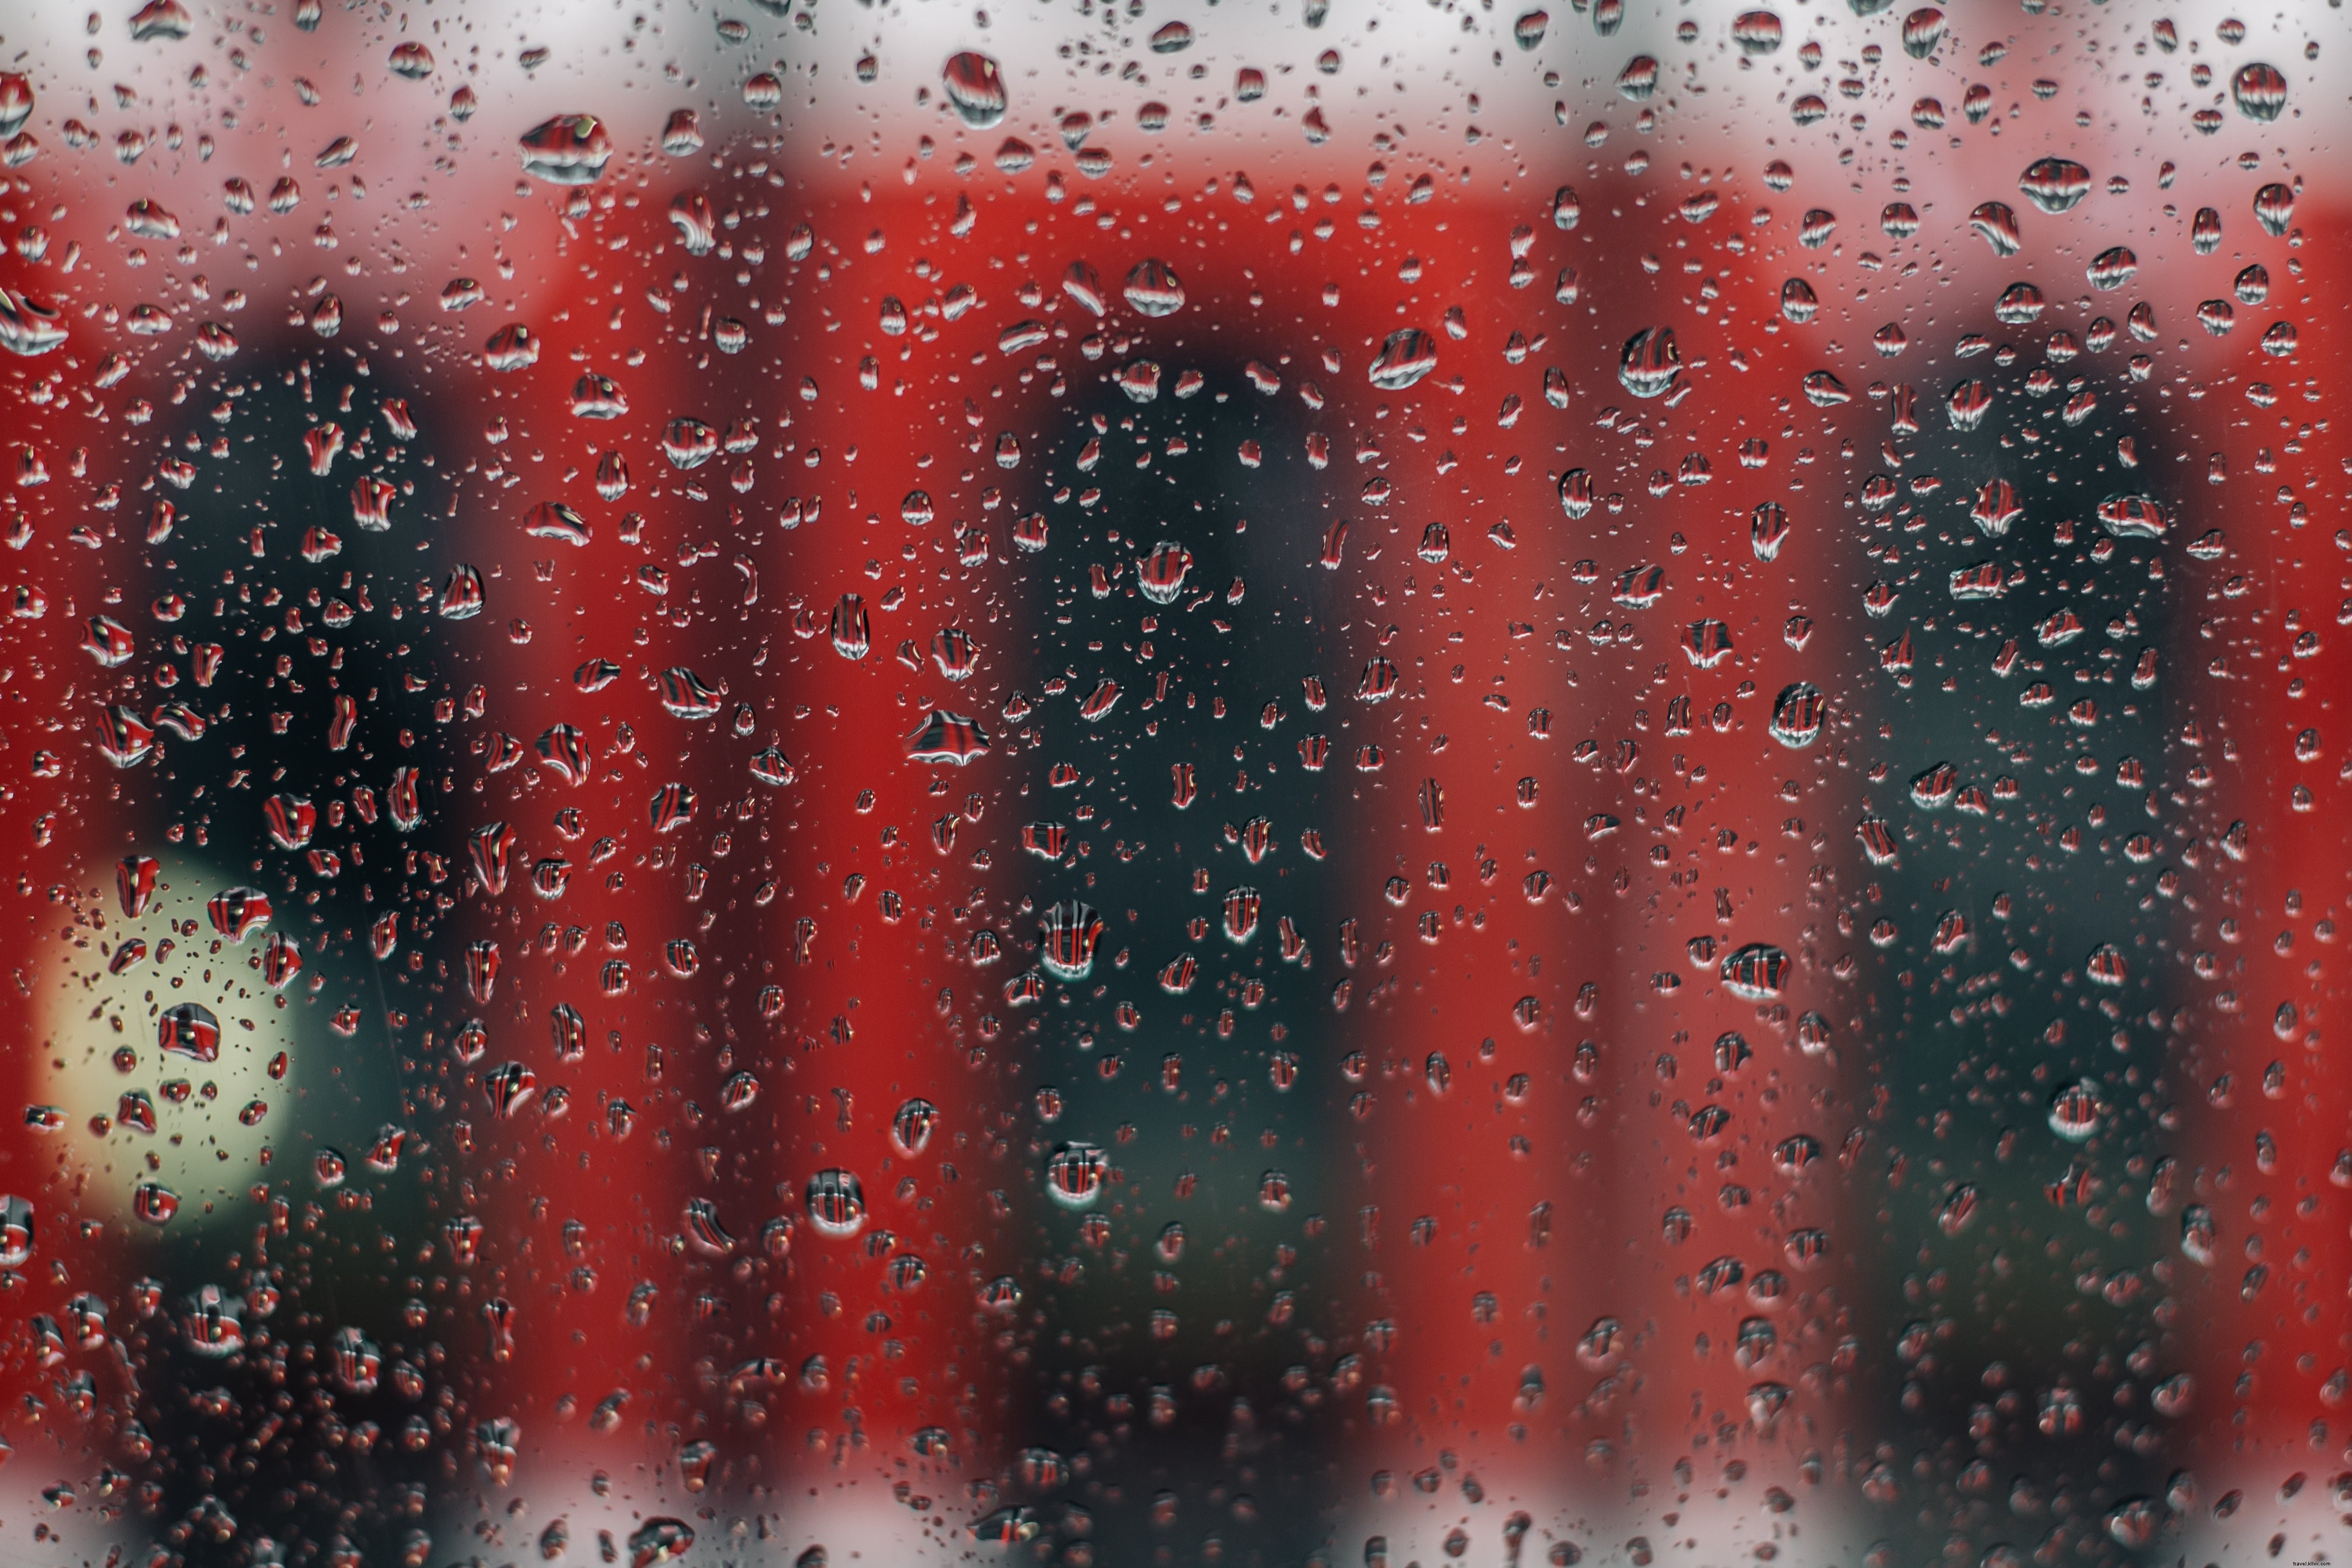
(1348, 782)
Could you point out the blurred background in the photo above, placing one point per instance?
(1232, 784)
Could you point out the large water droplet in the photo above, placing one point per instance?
(948, 738)
(2075, 1111)
(1160, 575)
(569, 149)
(975, 87)
(1651, 363)
(911, 1127)
(1408, 355)
(1757, 32)
(1798, 714)
(2259, 91)
(1996, 222)
(1066, 935)
(836, 1203)
(2055, 185)
(2112, 267)
(29, 325)
(659, 1540)
(1153, 289)
(1756, 971)
(2133, 517)
(164, 21)
(1074, 1174)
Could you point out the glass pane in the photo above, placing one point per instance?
(1230, 785)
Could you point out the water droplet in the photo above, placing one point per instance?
(1997, 224)
(1922, 31)
(2075, 1111)
(29, 325)
(697, 225)
(1408, 354)
(2133, 517)
(358, 1363)
(237, 913)
(1160, 575)
(1798, 714)
(212, 1323)
(658, 1541)
(2134, 1522)
(491, 847)
(1075, 1174)
(2112, 267)
(1066, 935)
(1140, 380)
(2259, 91)
(911, 1127)
(670, 807)
(166, 21)
(2200, 1238)
(1639, 587)
(2055, 185)
(510, 347)
(1756, 972)
(975, 87)
(2018, 305)
(16, 1231)
(685, 696)
(16, 102)
(1707, 643)
(1996, 507)
(1756, 33)
(1153, 289)
(1243, 906)
(1967, 403)
(1009, 1526)
(948, 738)
(836, 1203)
(1959, 1212)
(2274, 209)
(569, 149)
(1651, 363)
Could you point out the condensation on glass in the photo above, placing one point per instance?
(1331, 783)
